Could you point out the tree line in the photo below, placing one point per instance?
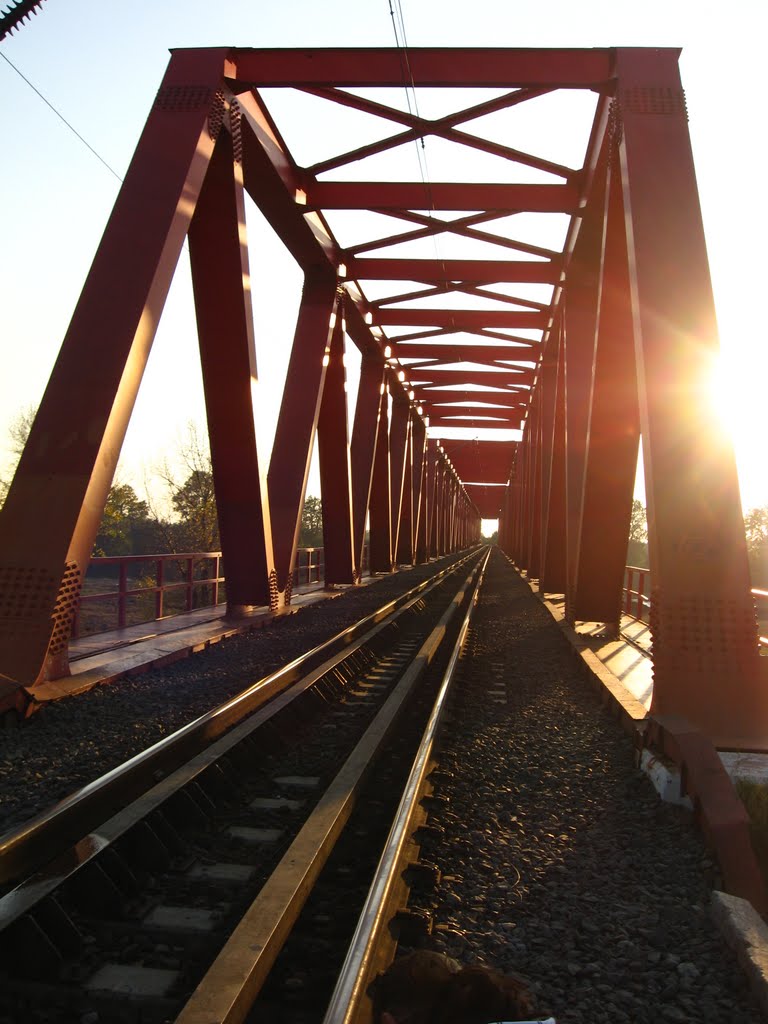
(131, 525)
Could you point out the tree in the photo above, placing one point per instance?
(126, 527)
(18, 432)
(311, 532)
(637, 548)
(756, 532)
(194, 525)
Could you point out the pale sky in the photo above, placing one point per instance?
(100, 63)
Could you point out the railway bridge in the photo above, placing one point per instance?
(616, 346)
(517, 386)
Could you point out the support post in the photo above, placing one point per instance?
(380, 508)
(299, 412)
(399, 432)
(706, 661)
(219, 262)
(73, 447)
(335, 473)
(581, 298)
(370, 399)
(420, 490)
(614, 433)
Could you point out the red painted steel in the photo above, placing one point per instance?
(614, 433)
(706, 663)
(73, 448)
(401, 196)
(380, 506)
(370, 395)
(219, 262)
(580, 304)
(440, 271)
(335, 470)
(492, 68)
(297, 423)
(154, 587)
(626, 337)
(399, 435)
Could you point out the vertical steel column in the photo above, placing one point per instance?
(219, 260)
(439, 504)
(370, 397)
(299, 412)
(380, 507)
(75, 441)
(398, 445)
(534, 500)
(706, 662)
(404, 553)
(548, 387)
(614, 433)
(581, 296)
(419, 434)
(431, 497)
(554, 572)
(334, 456)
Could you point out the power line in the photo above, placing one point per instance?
(61, 117)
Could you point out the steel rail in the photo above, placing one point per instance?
(348, 1003)
(227, 992)
(25, 850)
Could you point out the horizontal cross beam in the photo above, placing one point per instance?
(461, 319)
(439, 271)
(427, 66)
(416, 195)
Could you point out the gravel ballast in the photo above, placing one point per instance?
(559, 860)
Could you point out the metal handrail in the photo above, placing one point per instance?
(309, 568)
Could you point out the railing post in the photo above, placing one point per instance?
(121, 588)
(216, 561)
(641, 576)
(190, 578)
(159, 582)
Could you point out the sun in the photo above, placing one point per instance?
(739, 395)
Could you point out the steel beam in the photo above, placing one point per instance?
(370, 398)
(554, 571)
(493, 354)
(219, 261)
(399, 433)
(335, 470)
(380, 506)
(403, 195)
(582, 293)
(427, 66)
(419, 434)
(297, 422)
(614, 434)
(443, 271)
(461, 319)
(73, 447)
(706, 662)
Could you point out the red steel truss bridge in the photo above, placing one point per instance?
(616, 344)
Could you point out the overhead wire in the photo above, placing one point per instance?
(61, 117)
(401, 42)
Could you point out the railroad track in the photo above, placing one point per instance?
(166, 890)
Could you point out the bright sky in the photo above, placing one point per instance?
(100, 65)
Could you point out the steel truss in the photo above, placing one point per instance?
(624, 347)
